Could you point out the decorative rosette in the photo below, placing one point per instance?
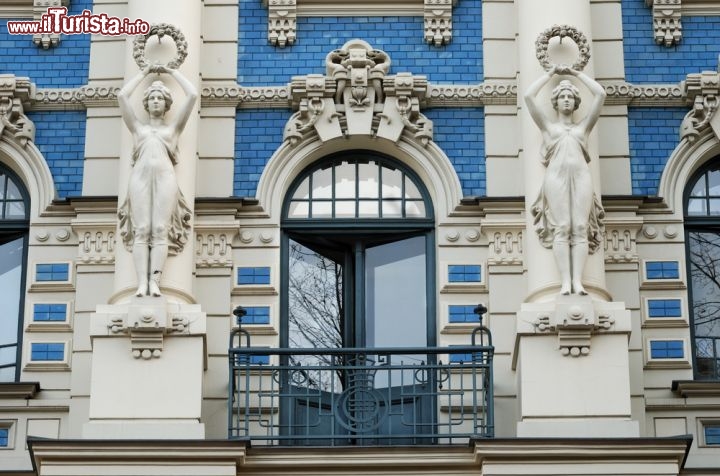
(161, 29)
(543, 39)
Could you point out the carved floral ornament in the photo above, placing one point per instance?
(702, 91)
(356, 96)
(14, 94)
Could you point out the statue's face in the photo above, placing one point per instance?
(156, 103)
(566, 101)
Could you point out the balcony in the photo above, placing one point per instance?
(360, 396)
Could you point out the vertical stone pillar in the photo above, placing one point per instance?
(572, 351)
(534, 17)
(149, 353)
(186, 15)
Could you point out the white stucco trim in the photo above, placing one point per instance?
(430, 163)
(683, 162)
(32, 169)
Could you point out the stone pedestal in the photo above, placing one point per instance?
(571, 357)
(147, 370)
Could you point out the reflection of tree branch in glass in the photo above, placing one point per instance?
(315, 311)
(704, 250)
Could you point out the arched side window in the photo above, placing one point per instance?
(702, 228)
(14, 225)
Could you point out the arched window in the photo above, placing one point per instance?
(702, 228)
(14, 224)
(358, 273)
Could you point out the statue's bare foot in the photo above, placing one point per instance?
(142, 290)
(579, 289)
(154, 289)
(565, 289)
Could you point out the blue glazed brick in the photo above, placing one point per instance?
(258, 133)
(666, 349)
(648, 62)
(65, 65)
(400, 37)
(664, 308)
(462, 314)
(260, 275)
(64, 159)
(47, 352)
(662, 270)
(460, 133)
(653, 134)
(464, 273)
(49, 312)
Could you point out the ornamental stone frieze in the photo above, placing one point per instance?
(356, 96)
(40, 7)
(96, 242)
(702, 91)
(282, 21)
(667, 24)
(213, 245)
(621, 240)
(15, 94)
(505, 242)
(438, 22)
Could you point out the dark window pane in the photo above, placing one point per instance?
(704, 258)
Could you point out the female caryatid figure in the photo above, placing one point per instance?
(155, 218)
(568, 215)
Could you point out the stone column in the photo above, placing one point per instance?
(534, 17)
(186, 15)
(149, 353)
(572, 350)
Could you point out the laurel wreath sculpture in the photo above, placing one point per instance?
(562, 31)
(160, 30)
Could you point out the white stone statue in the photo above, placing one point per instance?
(155, 218)
(568, 215)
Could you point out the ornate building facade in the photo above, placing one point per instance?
(327, 237)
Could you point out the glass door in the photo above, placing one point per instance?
(347, 297)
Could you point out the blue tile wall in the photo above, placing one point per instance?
(60, 136)
(460, 133)
(666, 349)
(462, 314)
(52, 272)
(662, 270)
(400, 37)
(259, 275)
(258, 133)
(53, 352)
(648, 62)
(653, 136)
(664, 308)
(49, 312)
(469, 273)
(5, 437)
(63, 66)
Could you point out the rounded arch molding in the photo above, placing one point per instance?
(684, 161)
(429, 162)
(28, 163)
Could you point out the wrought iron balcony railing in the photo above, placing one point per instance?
(361, 396)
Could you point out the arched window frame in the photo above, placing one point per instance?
(700, 223)
(13, 229)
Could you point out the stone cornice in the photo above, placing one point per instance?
(696, 388)
(489, 93)
(24, 390)
(16, 9)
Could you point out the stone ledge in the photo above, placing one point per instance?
(696, 388)
(24, 390)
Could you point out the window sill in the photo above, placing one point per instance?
(24, 390)
(696, 388)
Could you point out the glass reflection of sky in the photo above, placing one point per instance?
(11, 255)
